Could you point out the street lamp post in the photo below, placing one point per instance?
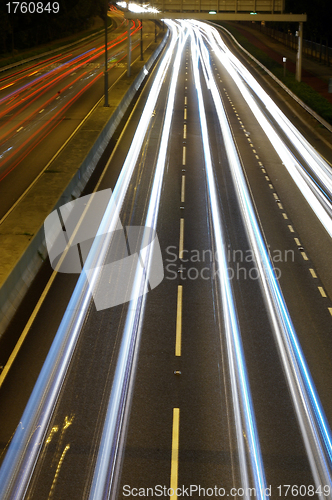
(141, 33)
(129, 50)
(106, 62)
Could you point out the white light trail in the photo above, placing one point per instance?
(314, 426)
(318, 197)
(250, 460)
(25, 447)
(23, 452)
(134, 7)
(105, 481)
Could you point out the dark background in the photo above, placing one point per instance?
(318, 25)
(22, 31)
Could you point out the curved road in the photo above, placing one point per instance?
(42, 104)
(216, 382)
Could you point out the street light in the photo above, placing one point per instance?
(142, 32)
(105, 72)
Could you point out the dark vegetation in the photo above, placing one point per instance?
(19, 31)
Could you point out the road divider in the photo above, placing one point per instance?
(178, 336)
(175, 453)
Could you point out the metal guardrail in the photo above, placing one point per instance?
(31, 260)
(282, 85)
(25, 446)
(319, 51)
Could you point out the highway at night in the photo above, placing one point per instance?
(43, 103)
(215, 380)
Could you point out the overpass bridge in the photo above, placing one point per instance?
(224, 10)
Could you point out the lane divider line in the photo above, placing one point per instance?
(184, 151)
(175, 452)
(185, 131)
(178, 334)
(183, 187)
(34, 313)
(313, 274)
(181, 238)
(185, 112)
(304, 255)
(290, 227)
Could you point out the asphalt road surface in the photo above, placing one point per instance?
(43, 103)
